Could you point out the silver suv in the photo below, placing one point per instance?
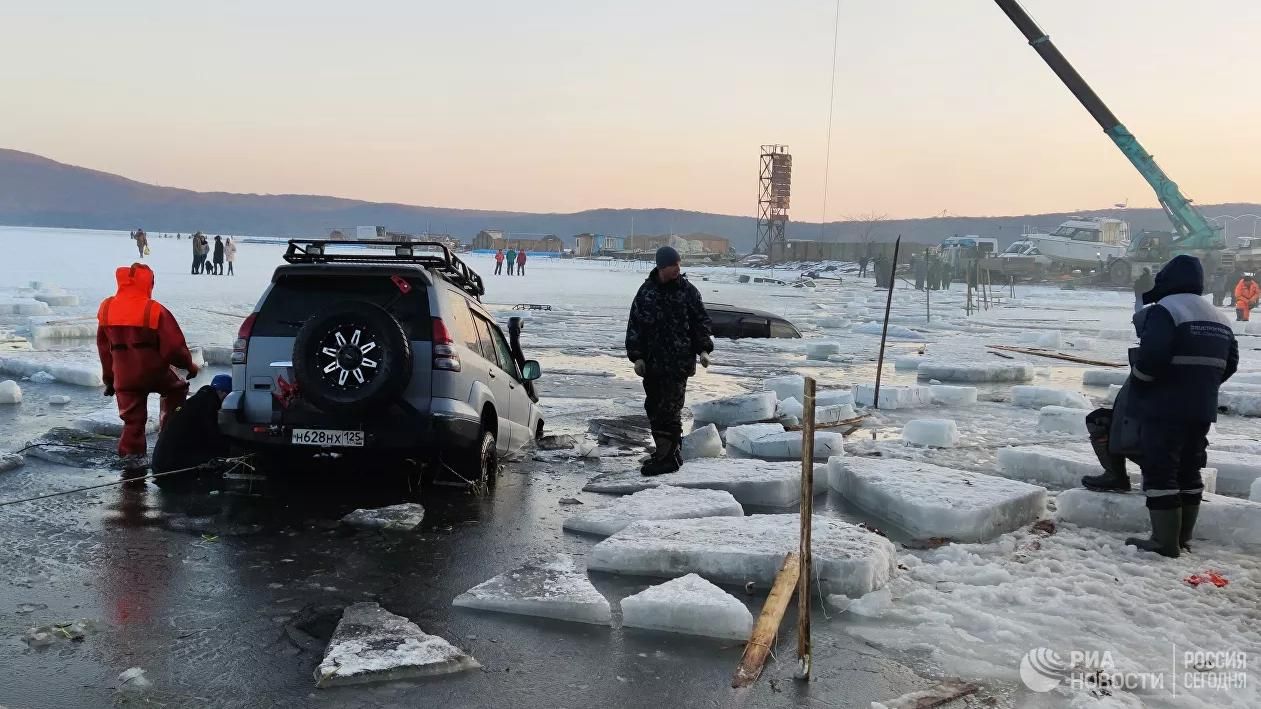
(366, 347)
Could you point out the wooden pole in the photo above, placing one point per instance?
(803, 549)
(767, 625)
(928, 304)
(884, 331)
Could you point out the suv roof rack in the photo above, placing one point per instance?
(441, 261)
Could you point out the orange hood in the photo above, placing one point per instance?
(133, 304)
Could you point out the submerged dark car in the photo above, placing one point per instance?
(734, 323)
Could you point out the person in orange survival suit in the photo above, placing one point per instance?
(138, 341)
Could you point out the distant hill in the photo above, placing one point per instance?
(36, 191)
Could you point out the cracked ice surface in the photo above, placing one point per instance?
(848, 559)
(751, 482)
(552, 587)
(373, 645)
(664, 502)
(688, 604)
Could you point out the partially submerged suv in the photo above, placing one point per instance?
(380, 347)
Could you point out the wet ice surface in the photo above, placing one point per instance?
(373, 645)
(847, 558)
(688, 604)
(664, 502)
(551, 587)
(966, 609)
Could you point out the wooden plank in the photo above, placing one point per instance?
(947, 691)
(767, 625)
(854, 422)
(803, 548)
(1055, 355)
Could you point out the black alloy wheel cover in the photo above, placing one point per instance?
(352, 359)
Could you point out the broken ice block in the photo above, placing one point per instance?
(742, 437)
(1228, 520)
(932, 433)
(731, 411)
(953, 395)
(704, 442)
(371, 644)
(1239, 403)
(752, 482)
(217, 354)
(787, 387)
(1235, 471)
(893, 397)
(967, 372)
(1063, 467)
(1035, 397)
(821, 350)
(1113, 391)
(931, 501)
(907, 363)
(896, 332)
(10, 392)
(1104, 377)
(548, 588)
(79, 374)
(10, 461)
(691, 605)
(1255, 493)
(1058, 419)
(395, 518)
(787, 445)
(662, 502)
(824, 415)
(847, 558)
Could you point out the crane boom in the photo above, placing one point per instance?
(1193, 230)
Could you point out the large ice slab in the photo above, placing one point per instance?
(908, 363)
(10, 461)
(548, 588)
(948, 395)
(372, 644)
(1104, 377)
(976, 372)
(1235, 471)
(821, 350)
(893, 397)
(75, 448)
(691, 605)
(395, 518)
(752, 482)
(106, 422)
(703, 442)
(848, 559)
(932, 433)
(1060, 419)
(88, 375)
(896, 332)
(794, 412)
(931, 501)
(663, 502)
(765, 441)
(1228, 520)
(1063, 467)
(23, 306)
(1239, 403)
(1036, 397)
(735, 410)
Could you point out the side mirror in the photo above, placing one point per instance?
(531, 370)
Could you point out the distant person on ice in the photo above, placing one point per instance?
(512, 260)
(1142, 284)
(142, 241)
(218, 258)
(667, 331)
(138, 342)
(229, 253)
(1247, 295)
(499, 262)
(1186, 350)
(521, 262)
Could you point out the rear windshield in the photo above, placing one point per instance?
(294, 299)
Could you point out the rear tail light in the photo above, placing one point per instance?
(243, 339)
(445, 357)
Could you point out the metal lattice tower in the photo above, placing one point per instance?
(774, 189)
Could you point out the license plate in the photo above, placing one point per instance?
(318, 437)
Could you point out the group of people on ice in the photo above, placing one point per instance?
(223, 251)
(1239, 289)
(514, 258)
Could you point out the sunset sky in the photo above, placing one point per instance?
(563, 105)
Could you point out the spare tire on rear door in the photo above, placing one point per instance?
(351, 359)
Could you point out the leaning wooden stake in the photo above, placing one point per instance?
(803, 550)
(884, 331)
(767, 625)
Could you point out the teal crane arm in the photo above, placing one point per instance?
(1193, 230)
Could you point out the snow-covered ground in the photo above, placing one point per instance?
(972, 610)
